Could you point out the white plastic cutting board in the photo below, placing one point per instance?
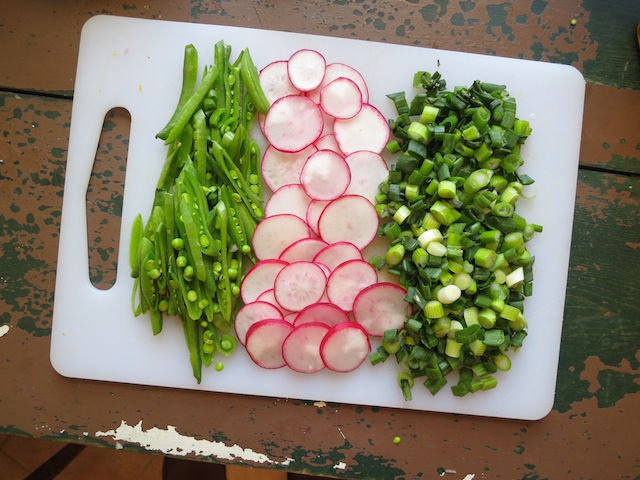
(137, 64)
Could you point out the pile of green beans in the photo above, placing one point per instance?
(190, 257)
(456, 242)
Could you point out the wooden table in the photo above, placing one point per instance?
(592, 430)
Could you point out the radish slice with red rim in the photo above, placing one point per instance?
(325, 175)
(314, 210)
(367, 130)
(381, 307)
(368, 171)
(259, 279)
(306, 69)
(252, 313)
(288, 199)
(328, 142)
(264, 342)
(293, 123)
(275, 82)
(323, 312)
(303, 250)
(274, 234)
(337, 70)
(350, 218)
(283, 168)
(299, 284)
(345, 347)
(301, 348)
(269, 297)
(347, 280)
(341, 98)
(337, 253)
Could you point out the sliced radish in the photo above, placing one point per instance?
(328, 142)
(381, 307)
(252, 313)
(347, 280)
(368, 171)
(345, 347)
(274, 234)
(283, 168)
(337, 70)
(341, 98)
(264, 342)
(303, 250)
(293, 123)
(325, 175)
(314, 210)
(259, 279)
(327, 127)
(323, 312)
(337, 253)
(291, 317)
(269, 296)
(301, 348)
(327, 272)
(350, 218)
(299, 284)
(367, 130)
(274, 80)
(288, 199)
(306, 69)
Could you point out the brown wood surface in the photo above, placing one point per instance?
(591, 432)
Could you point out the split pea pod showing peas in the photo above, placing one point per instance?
(189, 258)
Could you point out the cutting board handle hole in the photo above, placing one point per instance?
(104, 198)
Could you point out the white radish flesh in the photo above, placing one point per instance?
(323, 312)
(325, 175)
(268, 296)
(350, 218)
(328, 142)
(368, 171)
(274, 234)
(347, 280)
(293, 123)
(264, 342)
(259, 279)
(314, 210)
(306, 69)
(337, 253)
(274, 80)
(341, 98)
(303, 250)
(345, 347)
(336, 70)
(381, 307)
(299, 285)
(283, 168)
(252, 313)
(367, 130)
(301, 348)
(288, 199)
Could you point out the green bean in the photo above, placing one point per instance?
(189, 76)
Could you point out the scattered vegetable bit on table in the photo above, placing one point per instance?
(457, 244)
(191, 256)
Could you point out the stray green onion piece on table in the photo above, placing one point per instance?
(457, 244)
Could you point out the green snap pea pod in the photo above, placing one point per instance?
(147, 286)
(137, 232)
(161, 256)
(254, 89)
(192, 238)
(175, 160)
(189, 78)
(235, 228)
(237, 181)
(225, 295)
(200, 144)
(208, 349)
(191, 105)
(191, 190)
(190, 328)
